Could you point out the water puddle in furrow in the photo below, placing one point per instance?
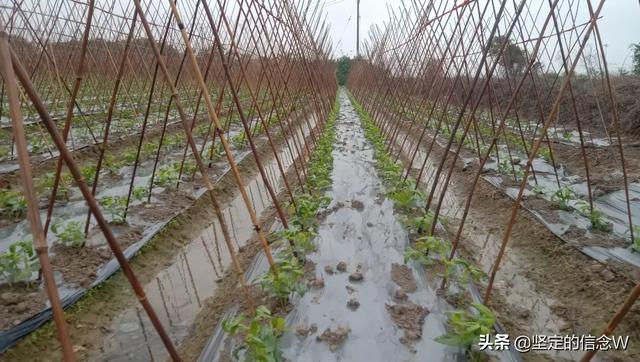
(178, 292)
(567, 224)
(511, 280)
(363, 232)
(76, 210)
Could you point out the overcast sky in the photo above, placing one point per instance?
(619, 26)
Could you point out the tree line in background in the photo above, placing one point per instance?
(342, 70)
(635, 56)
(513, 62)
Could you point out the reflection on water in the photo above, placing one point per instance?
(178, 292)
(370, 239)
(517, 289)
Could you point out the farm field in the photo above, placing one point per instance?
(211, 181)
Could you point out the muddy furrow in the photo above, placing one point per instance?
(533, 289)
(181, 269)
(362, 306)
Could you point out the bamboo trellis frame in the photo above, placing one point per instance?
(129, 60)
(437, 60)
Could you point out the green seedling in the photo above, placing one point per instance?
(69, 235)
(45, 185)
(39, 145)
(545, 153)
(422, 224)
(215, 152)
(462, 271)
(18, 263)
(88, 173)
(238, 141)
(598, 221)
(202, 129)
(175, 141)
(636, 239)
(5, 151)
(302, 239)
(116, 207)
(130, 155)
(307, 209)
(141, 193)
(13, 204)
(287, 280)
(149, 149)
(427, 251)
(188, 167)
(406, 197)
(538, 190)
(504, 167)
(166, 175)
(562, 197)
(259, 336)
(112, 165)
(465, 327)
(391, 172)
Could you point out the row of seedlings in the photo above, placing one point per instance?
(471, 320)
(18, 264)
(258, 337)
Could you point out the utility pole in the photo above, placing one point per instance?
(358, 30)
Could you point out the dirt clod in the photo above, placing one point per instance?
(607, 275)
(400, 295)
(353, 304)
(458, 300)
(317, 283)
(402, 275)
(9, 298)
(334, 338)
(356, 277)
(358, 205)
(342, 266)
(304, 331)
(409, 317)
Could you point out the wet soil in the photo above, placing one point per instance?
(304, 331)
(364, 244)
(90, 318)
(334, 338)
(18, 301)
(403, 276)
(410, 318)
(605, 165)
(78, 268)
(544, 285)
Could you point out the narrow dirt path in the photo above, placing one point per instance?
(370, 308)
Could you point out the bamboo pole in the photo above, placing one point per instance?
(92, 204)
(39, 238)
